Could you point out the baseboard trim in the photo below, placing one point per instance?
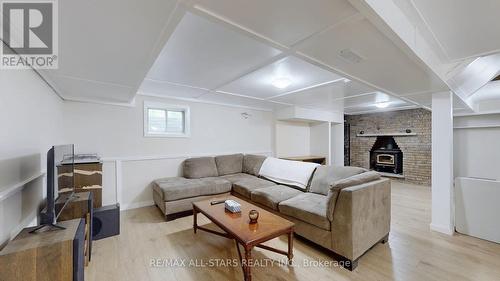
(442, 229)
(136, 205)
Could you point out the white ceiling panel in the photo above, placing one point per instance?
(170, 90)
(463, 28)
(372, 99)
(374, 58)
(300, 73)
(74, 88)
(283, 21)
(241, 101)
(205, 54)
(425, 99)
(329, 97)
(109, 41)
(325, 98)
(371, 108)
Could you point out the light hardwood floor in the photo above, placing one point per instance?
(413, 251)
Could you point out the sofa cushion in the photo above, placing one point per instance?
(273, 195)
(356, 180)
(325, 176)
(229, 164)
(252, 163)
(337, 187)
(246, 186)
(180, 188)
(201, 167)
(238, 177)
(308, 207)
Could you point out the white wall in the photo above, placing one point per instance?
(295, 138)
(31, 117)
(292, 139)
(132, 161)
(476, 149)
(477, 176)
(337, 144)
(320, 140)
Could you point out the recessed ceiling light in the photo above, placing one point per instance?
(382, 104)
(281, 83)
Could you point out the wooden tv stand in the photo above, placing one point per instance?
(80, 205)
(48, 254)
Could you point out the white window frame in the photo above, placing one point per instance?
(158, 105)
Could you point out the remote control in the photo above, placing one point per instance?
(217, 202)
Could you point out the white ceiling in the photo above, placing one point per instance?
(425, 99)
(463, 35)
(328, 97)
(283, 21)
(220, 53)
(107, 47)
(462, 28)
(300, 73)
(205, 54)
(382, 64)
(230, 51)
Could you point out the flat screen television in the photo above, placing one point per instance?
(60, 179)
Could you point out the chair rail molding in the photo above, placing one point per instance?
(8, 191)
(119, 162)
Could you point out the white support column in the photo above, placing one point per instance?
(442, 163)
(330, 152)
(337, 144)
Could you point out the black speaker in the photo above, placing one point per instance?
(106, 222)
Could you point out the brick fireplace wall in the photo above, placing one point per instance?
(416, 149)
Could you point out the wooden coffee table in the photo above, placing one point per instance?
(237, 227)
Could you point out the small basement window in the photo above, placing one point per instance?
(165, 120)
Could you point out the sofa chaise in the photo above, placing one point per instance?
(344, 209)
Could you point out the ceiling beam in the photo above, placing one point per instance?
(383, 110)
(307, 88)
(174, 18)
(250, 97)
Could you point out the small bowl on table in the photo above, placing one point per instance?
(253, 215)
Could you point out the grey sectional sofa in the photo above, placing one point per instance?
(345, 209)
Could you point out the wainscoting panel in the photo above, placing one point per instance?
(127, 180)
(477, 209)
(109, 195)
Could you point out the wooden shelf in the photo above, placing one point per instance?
(398, 134)
(477, 127)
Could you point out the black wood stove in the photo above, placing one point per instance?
(385, 156)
